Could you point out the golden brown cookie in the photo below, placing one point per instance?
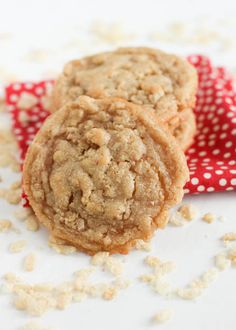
(101, 174)
(144, 76)
(183, 128)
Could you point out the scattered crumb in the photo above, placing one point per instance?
(147, 278)
(110, 264)
(5, 225)
(197, 286)
(222, 262)
(142, 245)
(208, 217)
(188, 211)
(110, 293)
(222, 218)
(152, 261)
(232, 256)
(17, 246)
(33, 325)
(189, 293)
(229, 236)
(176, 219)
(29, 262)
(26, 101)
(32, 223)
(163, 316)
(23, 213)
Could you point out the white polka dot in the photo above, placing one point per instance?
(186, 191)
(229, 188)
(14, 97)
(200, 188)
(194, 181)
(206, 160)
(39, 90)
(210, 189)
(201, 143)
(225, 126)
(228, 144)
(211, 143)
(210, 115)
(229, 114)
(233, 182)
(228, 100)
(222, 182)
(28, 85)
(219, 172)
(212, 136)
(224, 167)
(209, 167)
(215, 120)
(233, 171)
(218, 100)
(194, 160)
(202, 153)
(216, 151)
(219, 163)
(191, 150)
(216, 128)
(227, 155)
(205, 130)
(16, 86)
(207, 175)
(201, 137)
(220, 111)
(233, 120)
(232, 162)
(223, 136)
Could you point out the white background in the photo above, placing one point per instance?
(59, 31)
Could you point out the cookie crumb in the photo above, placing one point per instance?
(189, 293)
(32, 223)
(5, 225)
(110, 293)
(231, 236)
(222, 218)
(152, 261)
(163, 316)
(110, 264)
(197, 286)
(175, 219)
(232, 256)
(208, 217)
(17, 246)
(188, 211)
(34, 325)
(143, 245)
(29, 262)
(222, 262)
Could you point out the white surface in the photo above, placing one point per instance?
(50, 26)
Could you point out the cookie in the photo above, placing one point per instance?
(143, 76)
(183, 128)
(101, 174)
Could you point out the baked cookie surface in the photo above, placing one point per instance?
(102, 173)
(144, 76)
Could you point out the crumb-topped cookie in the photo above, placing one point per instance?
(101, 174)
(144, 76)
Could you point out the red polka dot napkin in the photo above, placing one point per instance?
(212, 157)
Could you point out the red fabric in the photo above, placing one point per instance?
(212, 157)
